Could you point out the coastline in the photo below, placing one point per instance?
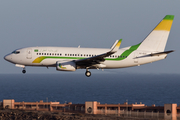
(9, 114)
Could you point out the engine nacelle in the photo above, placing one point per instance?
(65, 66)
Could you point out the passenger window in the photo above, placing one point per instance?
(47, 53)
(44, 53)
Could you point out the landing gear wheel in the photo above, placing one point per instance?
(23, 71)
(88, 73)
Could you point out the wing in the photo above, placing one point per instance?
(87, 62)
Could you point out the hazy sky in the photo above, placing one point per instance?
(92, 23)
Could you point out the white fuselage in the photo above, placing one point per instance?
(48, 56)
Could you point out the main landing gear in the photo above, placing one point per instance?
(87, 73)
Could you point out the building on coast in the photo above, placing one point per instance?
(169, 111)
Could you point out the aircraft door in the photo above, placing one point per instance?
(29, 54)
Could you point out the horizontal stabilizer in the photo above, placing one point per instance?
(161, 53)
(156, 54)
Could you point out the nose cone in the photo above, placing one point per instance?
(7, 57)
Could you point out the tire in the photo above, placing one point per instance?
(23, 71)
(88, 73)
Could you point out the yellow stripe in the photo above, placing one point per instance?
(118, 44)
(38, 60)
(164, 25)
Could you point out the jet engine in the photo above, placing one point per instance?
(65, 66)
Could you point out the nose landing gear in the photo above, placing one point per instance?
(23, 71)
(21, 66)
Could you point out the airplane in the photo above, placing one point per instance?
(151, 49)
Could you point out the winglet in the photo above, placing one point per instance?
(116, 45)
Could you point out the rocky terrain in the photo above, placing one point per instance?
(46, 115)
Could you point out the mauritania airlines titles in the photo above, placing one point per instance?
(70, 59)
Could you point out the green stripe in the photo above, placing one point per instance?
(35, 50)
(169, 17)
(124, 55)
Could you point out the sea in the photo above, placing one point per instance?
(149, 89)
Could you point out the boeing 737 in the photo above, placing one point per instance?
(70, 59)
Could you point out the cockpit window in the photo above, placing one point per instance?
(16, 52)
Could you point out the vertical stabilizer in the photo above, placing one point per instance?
(156, 40)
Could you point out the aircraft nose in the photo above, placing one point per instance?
(7, 57)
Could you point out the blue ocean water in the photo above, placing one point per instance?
(105, 88)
